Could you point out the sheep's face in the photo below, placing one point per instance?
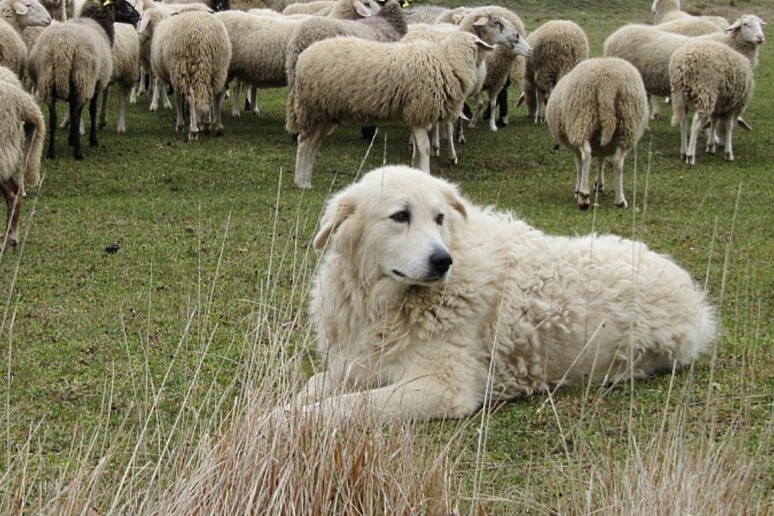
(499, 31)
(31, 13)
(750, 27)
(125, 12)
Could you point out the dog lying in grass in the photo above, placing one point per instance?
(427, 306)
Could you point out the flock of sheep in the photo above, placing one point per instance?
(339, 57)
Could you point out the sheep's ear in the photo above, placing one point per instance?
(452, 196)
(144, 21)
(362, 9)
(456, 19)
(481, 21)
(338, 209)
(521, 100)
(20, 8)
(744, 125)
(734, 26)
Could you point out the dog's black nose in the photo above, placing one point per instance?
(440, 261)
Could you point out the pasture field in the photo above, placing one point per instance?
(156, 306)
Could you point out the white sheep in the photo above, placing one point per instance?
(689, 27)
(557, 46)
(22, 131)
(501, 64)
(718, 83)
(72, 61)
(598, 109)
(424, 13)
(15, 16)
(387, 23)
(420, 83)
(491, 29)
(258, 50)
(649, 50)
(317, 7)
(191, 52)
(668, 10)
(126, 71)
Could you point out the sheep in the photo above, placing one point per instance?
(557, 46)
(72, 61)
(689, 27)
(126, 70)
(258, 45)
(15, 16)
(668, 10)
(387, 24)
(490, 29)
(215, 5)
(334, 84)
(500, 64)
(22, 130)
(191, 52)
(424, 13)
(598, 109)
(649, 49)
(718, 83)
(318, 7)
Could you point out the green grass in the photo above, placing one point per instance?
(213, 231)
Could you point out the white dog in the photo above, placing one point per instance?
(427, 306)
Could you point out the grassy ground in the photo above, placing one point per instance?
(112, 361)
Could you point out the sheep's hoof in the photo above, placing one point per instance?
(655, 116)
(710, 149)
(306, 185)
(690, 160)
(729, 156)
(461, 140)
(598, 188)
(453, 161)
(78, 155)
(219, 131)
(236, 114)
(93, 143)
(503, 121)
(493, 128)
(622, 204)
(153, 107)
(192, 137)
(583, 201)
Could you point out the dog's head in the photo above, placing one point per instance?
(394, 222)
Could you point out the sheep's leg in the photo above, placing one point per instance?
(179, 121)
(728, 125)
(93, 106)
(578, 167)
(75, 137)
(51, 130)
(103, 108)
(13, 198)
(583, 190)
(618, 165)
(193, 118)
(540, 97)
(492, 112)
(450, 135)
(235, 99)
(683, 138)
(122, 93)
(599, 183)
(254, 109)
(154, 105)
(216, 118)
(655, 110)
(308, 145)
(696, 125)
(164, 97)
(478, 110)
(435, 140)
(421, 155)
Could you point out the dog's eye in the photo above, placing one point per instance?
(400, 216)
(439, 219)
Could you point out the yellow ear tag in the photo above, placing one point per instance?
(106, 3)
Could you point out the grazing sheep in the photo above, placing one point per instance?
(689, 27)
(557, 46)
(15, 16)
(258, 50)
(669, 10)
(22, 131)
(718, 83)
(599, 109)
(191, 52)
(387, 24)
(649, 50)
(500, 64)
(334, 84)
(126, 71)
(72, 61)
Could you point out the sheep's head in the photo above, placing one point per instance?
(31, 13)
(750, 28)
(125, 12)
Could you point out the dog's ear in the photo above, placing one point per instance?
(455, 200)
(338, 208)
